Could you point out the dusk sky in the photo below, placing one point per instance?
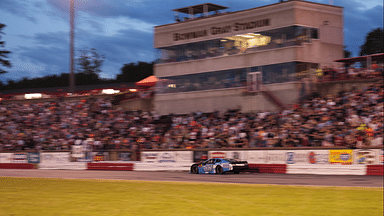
(37, 31)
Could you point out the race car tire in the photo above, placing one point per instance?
(219, 170)
(237, 172)
(194, 169)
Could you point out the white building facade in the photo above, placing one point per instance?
(207, 62)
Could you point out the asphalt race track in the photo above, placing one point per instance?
(243, 178)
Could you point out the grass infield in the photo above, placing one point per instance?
(42, 196)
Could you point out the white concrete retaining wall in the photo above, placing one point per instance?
(142, 166)
(327, 169)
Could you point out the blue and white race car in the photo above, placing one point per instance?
(219, 166)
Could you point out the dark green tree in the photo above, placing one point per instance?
(11, 84)
(373, 43)
(89, 66)
(90, 61)
(3, 53)
(347, 53)
(135, 72)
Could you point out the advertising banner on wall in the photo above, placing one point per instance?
(276, 157)
(170, 157)
(20, 158)
(78, 151)
(287, 156)
(239, 155)
(149, 157)
(13, 157)
(199, 156)
(381, 157)
(33, 158)
(365, 156)
(166, 157)
(343, 157)
(267, 157)
(6, 157)
(257, 157)
(125, 156)
(318, 157)
(100, 156)
(59, 160)
(53, 158)
(297, 157)
(184, 156)
(307, 157)
(217, 154)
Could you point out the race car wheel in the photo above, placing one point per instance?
(194, 169)
(219, 170)
(237, 172)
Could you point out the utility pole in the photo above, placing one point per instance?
(71, 46)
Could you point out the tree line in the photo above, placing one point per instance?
(131, 72)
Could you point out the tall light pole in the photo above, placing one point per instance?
(71, 52)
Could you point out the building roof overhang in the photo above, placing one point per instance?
(199, 9)
(374, 57)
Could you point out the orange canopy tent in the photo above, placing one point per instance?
(148, 82)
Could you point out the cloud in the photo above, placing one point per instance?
(358, 22)
(125, 46)
(23, 69)
(374, 16)
(155, 12)
(19, 8)
(49, 53)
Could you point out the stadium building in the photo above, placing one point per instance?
(257, 59)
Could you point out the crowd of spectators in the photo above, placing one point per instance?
(342, 73)
(349, 119)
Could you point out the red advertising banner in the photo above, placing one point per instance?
(110, 166)
(375, 170)
(16, 166)
(268, 168)
(217, 154)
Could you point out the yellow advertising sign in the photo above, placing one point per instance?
(340, 157)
